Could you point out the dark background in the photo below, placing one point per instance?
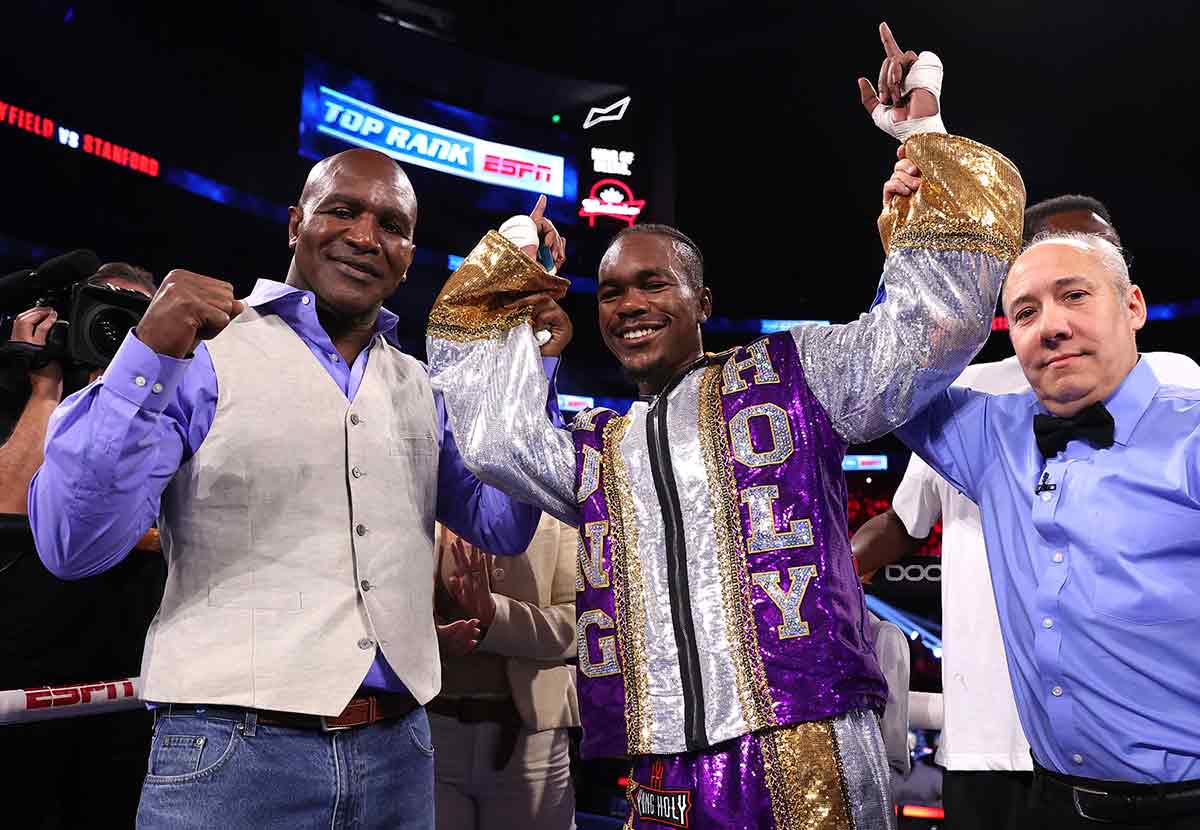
(745, 116)
(774, 166)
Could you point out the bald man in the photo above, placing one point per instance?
(296, 460)
(1086, 487)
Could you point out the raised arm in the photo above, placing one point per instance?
(480, 513)
(950, 227)
(112, 447)
(484, 360)
(953, 435)
(949, 246)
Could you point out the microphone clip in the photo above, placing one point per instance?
(1044, 486)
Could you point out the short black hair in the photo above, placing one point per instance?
(124, 271)
(687, 250)
(1036, 215)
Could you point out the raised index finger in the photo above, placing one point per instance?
(889, 42)
(539, 209)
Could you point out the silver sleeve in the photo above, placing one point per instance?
(875, 373)
(495, 392)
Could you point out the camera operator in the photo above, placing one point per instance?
(81, 769)
(21, 454)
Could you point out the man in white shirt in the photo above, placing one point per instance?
(983, 749)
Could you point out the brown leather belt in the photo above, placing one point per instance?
(360, 711)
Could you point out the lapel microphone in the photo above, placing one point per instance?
(1044, 486)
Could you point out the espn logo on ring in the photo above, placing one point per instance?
(48, 697)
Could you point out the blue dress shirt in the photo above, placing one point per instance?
(1097, 575)
(112, 448)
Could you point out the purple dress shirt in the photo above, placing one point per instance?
(112, 448)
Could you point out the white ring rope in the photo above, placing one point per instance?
(70, 701)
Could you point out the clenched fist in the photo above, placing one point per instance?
(186, 309)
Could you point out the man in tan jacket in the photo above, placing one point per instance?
(500, 723)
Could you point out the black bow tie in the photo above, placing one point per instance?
(1094, 425)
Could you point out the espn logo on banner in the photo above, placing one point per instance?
(411, 141)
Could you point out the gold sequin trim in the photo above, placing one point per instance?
(942, 236)
(754, 694)
(472, 303)
(628, 593)
(804, 778)
(971, 199)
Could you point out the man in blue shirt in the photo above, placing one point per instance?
(296, 459)
(1090, 498)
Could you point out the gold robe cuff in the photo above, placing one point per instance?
(971, 199)
(472, 303)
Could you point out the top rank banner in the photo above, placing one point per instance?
(408, 140)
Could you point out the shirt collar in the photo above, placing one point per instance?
(269, 295)
(1129, 403)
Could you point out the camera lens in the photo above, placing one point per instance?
(108, 327)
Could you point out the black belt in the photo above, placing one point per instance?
(485, 710)
(363, 710)
(477, 709)
(1110, 802)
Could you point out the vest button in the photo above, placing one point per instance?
(361, 530)
(354, 419)
(357, 473)
(365, 585)
(498, 574)
(366, 643)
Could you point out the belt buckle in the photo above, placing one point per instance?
(1075, 791)
(325, 727)
(369, 718)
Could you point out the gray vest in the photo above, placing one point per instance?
(299, 538)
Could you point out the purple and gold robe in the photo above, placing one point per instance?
(716, 589)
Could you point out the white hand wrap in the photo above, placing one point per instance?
(520, 231)
(925, 74)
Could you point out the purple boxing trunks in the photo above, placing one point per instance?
(823, 775)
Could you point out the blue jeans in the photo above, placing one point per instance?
(219, 768)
